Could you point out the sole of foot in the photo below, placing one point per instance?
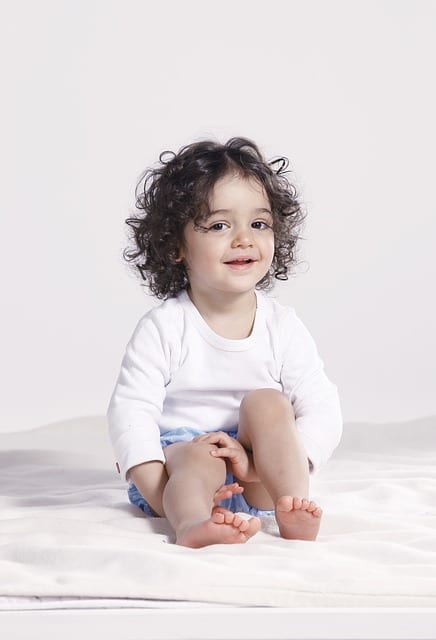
(298, 518)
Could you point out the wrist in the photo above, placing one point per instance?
(251, 475)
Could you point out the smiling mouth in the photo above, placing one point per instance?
(247, 261)
(240, 265)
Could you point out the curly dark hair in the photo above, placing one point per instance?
(177, 191)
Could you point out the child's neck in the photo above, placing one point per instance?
(231, 317)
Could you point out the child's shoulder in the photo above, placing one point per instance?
(274, 310)
(282, 321)
(160, 328)
(166, 313)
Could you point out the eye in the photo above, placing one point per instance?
(218, 226)
(261, 224)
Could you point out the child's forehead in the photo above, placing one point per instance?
(234, 187)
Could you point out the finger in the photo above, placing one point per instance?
(236, 488)
(227, 491)
(225, 452)
(229, 487)
(218, 498)
(233, 488)
(224, 492)
(214, 436)
(204, 436)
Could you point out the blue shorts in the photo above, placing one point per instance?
(236, 503)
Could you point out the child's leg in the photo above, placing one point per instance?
(267, 429)
(194, 476)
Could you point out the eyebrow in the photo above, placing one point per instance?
(260, 210)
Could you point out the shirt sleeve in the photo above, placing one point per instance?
(137, 400)
(314, 397)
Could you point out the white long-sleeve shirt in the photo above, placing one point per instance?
(177, 372)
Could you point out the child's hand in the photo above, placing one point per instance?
(241, 465)
(226, 491)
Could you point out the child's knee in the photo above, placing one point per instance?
(201, 450)
(190, 452)
(261, 401)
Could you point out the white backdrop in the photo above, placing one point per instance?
(93, 90)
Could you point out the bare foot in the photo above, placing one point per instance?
(298, 518)
(223, 527)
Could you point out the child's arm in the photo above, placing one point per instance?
(136, 405)
(314, 397)
(150, 479)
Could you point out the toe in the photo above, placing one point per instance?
(244, 525)
(228, 517)
(285, 503)
(253, 525)
(297, 503)
(218, 517)
(237, 521)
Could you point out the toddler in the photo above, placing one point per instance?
(222, 407)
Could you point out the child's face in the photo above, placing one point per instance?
(239, 229)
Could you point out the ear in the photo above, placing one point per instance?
(180, 257)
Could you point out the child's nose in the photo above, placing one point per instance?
(243, 238)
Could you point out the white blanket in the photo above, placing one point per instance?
(67, 528)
